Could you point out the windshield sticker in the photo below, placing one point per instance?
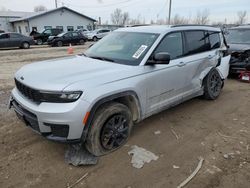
(140, 51)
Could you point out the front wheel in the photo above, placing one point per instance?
(110, 129)
(212, 85)
(39, 41)
(95, 39)
(59, 43)
(82, 42)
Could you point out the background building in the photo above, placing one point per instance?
(64, 18)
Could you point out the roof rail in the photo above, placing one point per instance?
(183, 25)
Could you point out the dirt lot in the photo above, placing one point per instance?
(209, 129)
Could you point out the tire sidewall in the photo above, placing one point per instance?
(93, 142)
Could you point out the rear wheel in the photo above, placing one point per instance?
(212, 85)
(59, 44)
(25, 45)
(110, 129)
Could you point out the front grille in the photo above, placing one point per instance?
(28, 92)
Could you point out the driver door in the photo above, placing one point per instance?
(167, 82)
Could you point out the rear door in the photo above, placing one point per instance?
(75, 38)
(198, 57)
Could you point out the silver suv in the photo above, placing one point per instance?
(131, 74)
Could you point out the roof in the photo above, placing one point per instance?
(14, 14)
(164, 28)
(38, 14)
(241, 27)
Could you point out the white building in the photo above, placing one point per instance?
(63, 18)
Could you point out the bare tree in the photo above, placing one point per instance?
(202, 18)
(178, 20)
(119, 18)
(242, 16)
(40, 8)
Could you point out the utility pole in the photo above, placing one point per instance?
(169, 12)
(56, 3)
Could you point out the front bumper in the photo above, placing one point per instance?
(61, 122)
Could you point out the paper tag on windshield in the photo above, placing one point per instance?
(140, 51)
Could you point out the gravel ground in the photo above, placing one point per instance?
(218, 131)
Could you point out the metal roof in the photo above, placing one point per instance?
(165, 28)
(38, 14)
(14, 14)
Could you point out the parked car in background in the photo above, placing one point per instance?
(238, 39)
(66, 39)
(9, 40)
(1, 31)
(41, 38)
(97, 34)
(129, 75)
(82, 31)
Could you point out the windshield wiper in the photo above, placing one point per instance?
(102, 58)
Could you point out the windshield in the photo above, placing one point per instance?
(61, 34)
(123, 47)
(241, 36)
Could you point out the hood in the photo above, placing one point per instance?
(56, 75)
(238, 47)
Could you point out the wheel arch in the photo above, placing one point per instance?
(128, 98)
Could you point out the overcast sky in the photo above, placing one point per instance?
(148, 9)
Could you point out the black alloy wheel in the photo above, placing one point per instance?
(114, 132)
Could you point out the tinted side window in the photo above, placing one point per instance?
(214, 38)
(68, 35)
(4, 36)
(172, 43)
(75, 34)
(196, 42)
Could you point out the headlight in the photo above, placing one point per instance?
(63, 97)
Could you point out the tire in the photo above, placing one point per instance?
(95, 38)
(110, 129)
(39, 41)
(25, 45)
(59, 43)
(212, 85)
(82, 42)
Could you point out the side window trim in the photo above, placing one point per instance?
(182, 37)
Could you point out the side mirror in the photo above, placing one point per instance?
(161, 58)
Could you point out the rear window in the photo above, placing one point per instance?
(196, 42)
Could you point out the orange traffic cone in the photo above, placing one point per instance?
(70, 49)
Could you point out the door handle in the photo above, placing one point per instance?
(181, 64)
